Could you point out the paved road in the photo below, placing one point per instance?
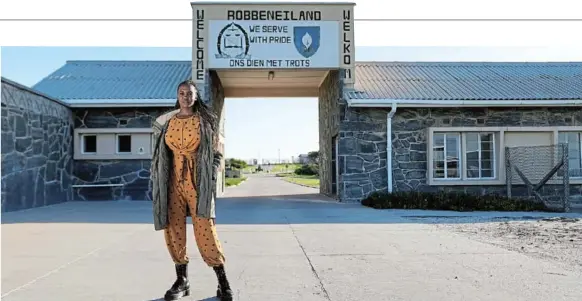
(303, 248)
(268, 185)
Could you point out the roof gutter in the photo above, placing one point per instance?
(428, 103)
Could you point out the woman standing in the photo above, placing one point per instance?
(183, 173)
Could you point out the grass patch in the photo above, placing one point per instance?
(285, 174)
(234, 181)
(311, 181)
(284, 168)
(249, 169)
(453, 201)
(274, 168)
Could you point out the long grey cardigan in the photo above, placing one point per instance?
(208, 159)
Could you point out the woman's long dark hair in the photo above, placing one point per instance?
(200, 107)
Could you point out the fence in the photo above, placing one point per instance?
(539, 173)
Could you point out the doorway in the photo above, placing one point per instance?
(278, 88)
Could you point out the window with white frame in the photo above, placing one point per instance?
(89, 144)
(446, 148)
(480, 155)
(463, 155)
(112, 143)
(124, 143)
(574, 140)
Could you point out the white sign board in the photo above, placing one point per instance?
(273, 44)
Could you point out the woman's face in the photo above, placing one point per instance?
(186, 96)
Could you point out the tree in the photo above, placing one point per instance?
(313, 157)
(312, 166)
(236, 163)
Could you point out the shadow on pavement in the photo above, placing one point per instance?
(185, 298)
(276, 210)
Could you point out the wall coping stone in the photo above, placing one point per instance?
(28, 89)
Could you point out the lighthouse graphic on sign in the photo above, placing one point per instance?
(306, 40)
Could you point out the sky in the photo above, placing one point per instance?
(263, 128)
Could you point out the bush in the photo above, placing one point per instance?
(236, 163)
(307, 170)
(454, 201)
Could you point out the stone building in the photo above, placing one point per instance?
(100, 115)
(37, 148)
(450, 124)
(83, 132)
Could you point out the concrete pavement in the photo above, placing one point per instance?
(282, 242)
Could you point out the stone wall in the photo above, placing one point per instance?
(363, 143)
(37, 149)
(362, 153)
(330, 104)
(134, 174)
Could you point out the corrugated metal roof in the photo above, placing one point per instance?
(84, 82)
(103, 80)
(467, 81)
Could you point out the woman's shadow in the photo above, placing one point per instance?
(187, 299)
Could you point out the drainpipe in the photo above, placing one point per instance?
(389, 144)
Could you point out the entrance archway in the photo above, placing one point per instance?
(278, 50)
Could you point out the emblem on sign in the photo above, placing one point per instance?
(306, 40)
(232, 42)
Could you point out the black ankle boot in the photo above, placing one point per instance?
(224, 293)
(181, 287)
